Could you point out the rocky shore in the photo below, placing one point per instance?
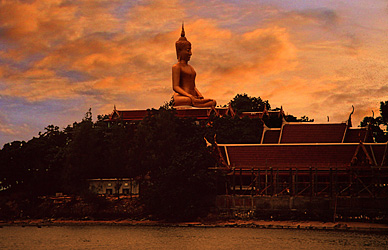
(124, 211)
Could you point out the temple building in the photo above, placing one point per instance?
(189, 112)
(303, 158)
(298, 158)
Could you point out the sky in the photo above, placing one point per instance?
(58, 58)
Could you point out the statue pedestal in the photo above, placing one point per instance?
(189, 107)
(199, 113)
(181, 111)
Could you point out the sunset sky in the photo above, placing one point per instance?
(58, 58)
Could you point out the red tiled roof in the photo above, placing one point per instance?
(377, 151)
(260, 114)
(356, 135)
(323, 156)
(271, 136)
(313, 133)
(285, 156)
(199, 113)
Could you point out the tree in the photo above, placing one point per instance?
(173, 159)
(291, 118)
(33, 166)
(234, 129)
(11, 165)
(43, 158)
(169, 105)
(96, 150)
(62, 160)
(376, 123)
(384, 113)
(245, 103)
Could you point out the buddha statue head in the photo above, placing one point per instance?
(182, 45)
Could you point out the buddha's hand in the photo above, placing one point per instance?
(192, 98)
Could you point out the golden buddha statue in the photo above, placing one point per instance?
(183, 78)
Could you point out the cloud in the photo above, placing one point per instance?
(323, 16)
(225, 60)
(86, 53)
(5, 128)
(10, 130)
(137, 60)
(153, 17)
(363, 84)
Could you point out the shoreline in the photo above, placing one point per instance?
(293, 225)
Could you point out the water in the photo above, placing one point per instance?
(142, 237)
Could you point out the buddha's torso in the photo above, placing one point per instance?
(187, 78)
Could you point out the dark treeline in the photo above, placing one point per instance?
(377, 123)
(169, 155)
(60, 160)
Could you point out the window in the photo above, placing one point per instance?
(109, 191)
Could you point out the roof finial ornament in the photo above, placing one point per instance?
(350, 117)
(183, 30)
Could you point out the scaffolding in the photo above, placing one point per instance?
(314, 182)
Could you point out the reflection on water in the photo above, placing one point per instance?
(126, 237)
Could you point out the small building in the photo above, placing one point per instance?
(114, 186)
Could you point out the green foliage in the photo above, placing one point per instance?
(374, 123)
(61, 161)
(234, 130)
(384, 112)
(169, 105)
(172, 157)
(273, 121)
(245, 103)
(33, 165)
(96, 151)
(11, 171)
(291, 118)
(377, 123)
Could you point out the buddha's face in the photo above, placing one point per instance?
(185, 53)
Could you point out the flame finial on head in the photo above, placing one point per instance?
(183, 30)
(183, 34)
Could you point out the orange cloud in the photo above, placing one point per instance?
(15, 21)
(153, 17)
(313, 61)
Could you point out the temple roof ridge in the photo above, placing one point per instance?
(315, 123)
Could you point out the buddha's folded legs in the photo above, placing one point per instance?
(181, 100)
